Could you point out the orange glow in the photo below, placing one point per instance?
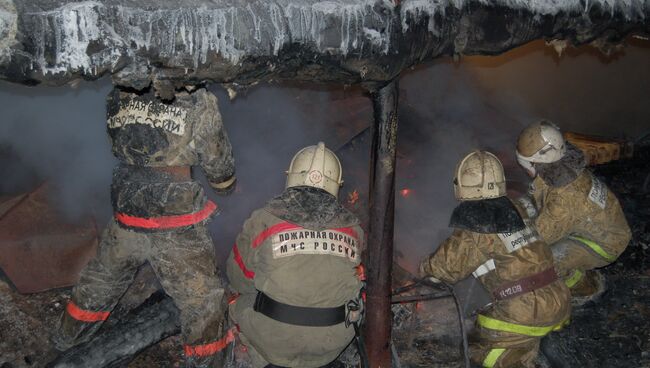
(353, 197)
(406, 192)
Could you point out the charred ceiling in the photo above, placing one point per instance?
(242, 41)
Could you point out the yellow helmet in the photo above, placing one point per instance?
(315, 166)
(540, 142)
(479, 176)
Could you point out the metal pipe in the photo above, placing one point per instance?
(379, 255)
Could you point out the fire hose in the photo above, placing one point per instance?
(396, 299)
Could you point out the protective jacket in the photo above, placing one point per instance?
(586, 210)
(147, 134)
(493, 242)
(302, 250)
(160, 217)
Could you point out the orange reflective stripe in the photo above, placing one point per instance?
(240, 262)
(277, 228)
(167, 222)
(348, 231)
(85, 316)
(211, 348)
(361, 272)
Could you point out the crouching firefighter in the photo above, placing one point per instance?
(578, 215)
(493, 241)
(296, 268)
(160, 216)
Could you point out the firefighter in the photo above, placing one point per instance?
(295, 266)
(160, 216)
(492, 241)
(577, 214)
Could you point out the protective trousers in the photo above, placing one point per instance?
(502, 344)
(575, 258)
(184, 262)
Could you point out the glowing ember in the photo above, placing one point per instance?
(406, 192)
(353, 197)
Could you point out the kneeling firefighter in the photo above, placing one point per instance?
(295, 266)
(578, 215)
(160, 216)
(494, 242)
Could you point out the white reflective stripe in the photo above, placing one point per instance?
(598, 192)
(484, 268)
(519, 239)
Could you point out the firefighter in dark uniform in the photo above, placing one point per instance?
(495, 243)
(295, 266)
(160, 216)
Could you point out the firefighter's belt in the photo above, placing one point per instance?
(180, 173)
(299, 316)
(595, 247)
(498, 325)
(525, 285)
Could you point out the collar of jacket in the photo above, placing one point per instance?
(565, 171)
(311, 208)
(487, 216)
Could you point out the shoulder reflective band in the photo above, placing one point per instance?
(495, 324)
(167, 222)
(240, 262)
(211, 348)
(575, 277)
(595, 247)
(492, 357)
(85, 316)
(277, 228)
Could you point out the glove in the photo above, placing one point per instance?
(225, 187)
(527, 204)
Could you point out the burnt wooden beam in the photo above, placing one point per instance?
(379, 253)
(171, 43)
(117, 344)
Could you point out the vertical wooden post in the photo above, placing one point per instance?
(379, 260)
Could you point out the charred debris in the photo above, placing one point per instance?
(167, 45)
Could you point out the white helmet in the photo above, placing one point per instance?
(315, 166)
(540, 142)
(479, 176)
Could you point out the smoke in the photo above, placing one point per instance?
(267, 126)
(446, 110)
(57, 135)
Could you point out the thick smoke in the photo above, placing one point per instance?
(447, 110)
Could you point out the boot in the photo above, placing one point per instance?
(590, 288)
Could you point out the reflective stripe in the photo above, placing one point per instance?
(211, 348)
(348, 231)
(277, 228)
(495, 324)
(167, 222)
(491, 359)
(85, 316)
(240, 262)
(360, 271)
(575, 277)
(595, 247)
(484, 268)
